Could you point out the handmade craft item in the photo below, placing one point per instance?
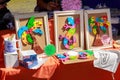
(69, 31)
(98, 27)
(26, 33)
(85, 54)
(62, 57)
(69, 39)
(74, 55)
(50, 50)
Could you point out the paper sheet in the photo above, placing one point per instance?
(106, 60)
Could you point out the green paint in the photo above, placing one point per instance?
(30, 22)
(29, 39)
(90, 52)
(71, 46)
(72, 31)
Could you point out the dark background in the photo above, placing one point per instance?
(109, 3)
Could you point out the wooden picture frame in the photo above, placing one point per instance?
(60, 20)
(36, 35)
(98, 31)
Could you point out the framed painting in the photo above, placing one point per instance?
(32, 31)
(69, 30)
(98, 33)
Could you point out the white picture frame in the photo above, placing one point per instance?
(21, 19)
(91, 38)
(59, 21)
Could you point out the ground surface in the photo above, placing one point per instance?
(21, 6)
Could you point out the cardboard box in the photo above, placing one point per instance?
(11, 59)
(28, 59)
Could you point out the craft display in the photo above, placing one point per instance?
(98, 29)
(97, 24)
(69, 33)
(26, 33)
(73, 55)
(69, 37)
(32, 30)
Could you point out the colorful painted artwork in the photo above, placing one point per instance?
(32, 31)
(69, 40)
(69, 30)
(98, 31)
(98, 26)
(25, 32)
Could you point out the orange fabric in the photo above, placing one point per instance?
(77, 71)
(21, 73)
(9, 71)
(83, 71)
(48, 69)
(51, 30)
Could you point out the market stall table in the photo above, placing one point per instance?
(75, 71)
(53, 69)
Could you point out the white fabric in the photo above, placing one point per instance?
(41, 61)
(107, 60)
(11, 59)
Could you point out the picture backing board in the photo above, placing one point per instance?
(59, 21)
(89, 37)
(39, 40)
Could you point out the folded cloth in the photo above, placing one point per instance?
(47, 69)
(106, 59)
